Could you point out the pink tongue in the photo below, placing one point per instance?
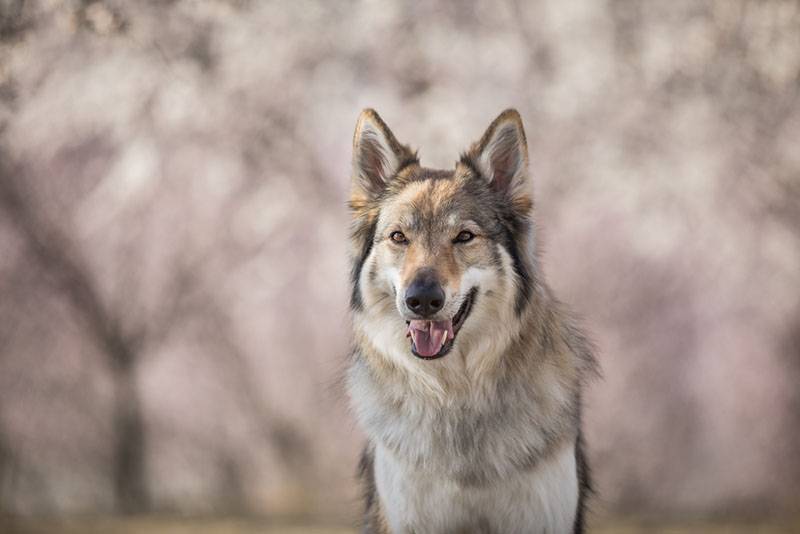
(429, 336)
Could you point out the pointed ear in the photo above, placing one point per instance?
(377, 155)
(501, 156)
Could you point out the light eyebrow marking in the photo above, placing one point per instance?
(405, 222)
(469, 224)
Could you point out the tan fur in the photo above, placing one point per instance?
(499, 415)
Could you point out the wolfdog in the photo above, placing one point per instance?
(466, 372)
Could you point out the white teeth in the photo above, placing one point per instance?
(444, 340)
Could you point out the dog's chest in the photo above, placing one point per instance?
(542, 499)
(473, 446)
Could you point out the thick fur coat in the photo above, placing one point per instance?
(466, 372)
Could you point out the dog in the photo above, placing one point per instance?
(466, 372)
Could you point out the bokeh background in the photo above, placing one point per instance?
(173, 232)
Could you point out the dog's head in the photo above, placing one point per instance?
(441, 259)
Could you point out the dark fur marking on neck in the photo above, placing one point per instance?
(355, 274)
(584, 485)
(512, 232)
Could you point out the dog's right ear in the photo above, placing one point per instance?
(377, 156)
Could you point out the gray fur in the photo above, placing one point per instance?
(476, 441)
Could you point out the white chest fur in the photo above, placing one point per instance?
(541, 500)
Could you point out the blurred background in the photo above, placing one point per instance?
(173, 273)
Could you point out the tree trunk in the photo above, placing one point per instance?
(130, 484)
(58, 257)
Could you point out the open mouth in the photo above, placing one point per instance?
(433, 339)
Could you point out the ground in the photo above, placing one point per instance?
(163, 525)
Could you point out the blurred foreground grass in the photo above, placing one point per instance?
(161, 525)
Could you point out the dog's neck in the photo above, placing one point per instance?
(523, 403)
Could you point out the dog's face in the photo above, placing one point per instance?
(439, 255)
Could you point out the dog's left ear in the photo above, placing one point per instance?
(501, 155)
(377, 155)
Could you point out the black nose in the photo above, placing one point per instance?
(425, 295)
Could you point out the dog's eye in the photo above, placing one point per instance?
(464, 237)
(398, 237)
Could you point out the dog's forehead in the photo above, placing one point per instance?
(431, 198)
